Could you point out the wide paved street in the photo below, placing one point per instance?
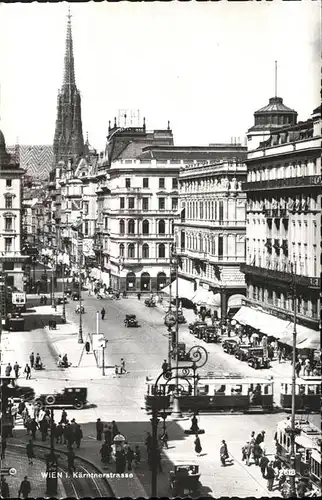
(121, 398)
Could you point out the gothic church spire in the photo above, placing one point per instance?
(68, 139)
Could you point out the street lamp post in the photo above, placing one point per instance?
(63, 287)
(292, 431)
(79, 247)
(176, 407)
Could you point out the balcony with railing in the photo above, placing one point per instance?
(11, 255)
(276, 213)
(308, 181)
(212, 223)
(280, 271)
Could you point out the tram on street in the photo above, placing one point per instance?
(307, 448)
(307, 394)
(217, 394)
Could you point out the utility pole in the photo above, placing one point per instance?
(176, 408)
(79, 247)
(63, 287)
(292, 430)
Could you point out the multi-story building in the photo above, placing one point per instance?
(210, 234)
(11, 259)
(283, 229)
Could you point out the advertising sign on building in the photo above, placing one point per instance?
(18, 298)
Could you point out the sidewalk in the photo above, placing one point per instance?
(19, 461)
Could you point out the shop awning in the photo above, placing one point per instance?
(95, 273)
(235, 300)
(214, 300)
(266, 323)
(105, 279)
(185, 289)
(306, 338)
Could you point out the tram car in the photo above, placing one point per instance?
(307, 394)
(307, 448)
(217, 394)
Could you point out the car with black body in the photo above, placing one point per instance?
(69, 396)
(229, 346)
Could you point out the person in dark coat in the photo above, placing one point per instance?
(71, 461)
(43, 427)
(27, 371)
(148, 442)
(270, 475)
(63, 418)
(129, 458)
(115, 429)
(223, 453)
(66, 432)
(8, 370)
(137, 455)
(103, 313)
(21, 407)
(260, 437)
(257, 453)
(108, 435)
(3, 448)
(263, 463)
(25, 488)
(105, 453)
(33, 426)
(78, 434)
(59, 433)
(198, 448)
(4, 488)
(16, 369)
(32, 359)
(99, 429)
(164, 366)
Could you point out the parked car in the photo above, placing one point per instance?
(242, 352)
(257, 359)
(131, 321)
(230, 346)
(70, 396)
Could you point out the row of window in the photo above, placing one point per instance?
(145, 227)
(145, 203)
(305, 307)
(145, 251)
(145, 183)
(283, 171)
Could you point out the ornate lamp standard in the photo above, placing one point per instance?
(78, 228)
(160, 400)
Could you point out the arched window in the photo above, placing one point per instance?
(161, 250)
(145, 251)
(145, 227)
(130, 281)
(161, 226)
(161, 281)
(131, 226)
(131, 251)
(121, 250)
(122, 226)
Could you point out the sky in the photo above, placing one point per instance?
(206, 67)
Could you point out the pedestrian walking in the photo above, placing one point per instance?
(257, 453)
(5, 493)
(260, 437)
(32, 359)
(37, 360)
(105, 453)
(71, 461)
(33, 427)
(263, 463)
(270, 475)
(164, 438)
(108, 435)
(123, 370)
(198, 447)
(8, 370)
(137, 455)
(115, 429)
(223, 453)
(27, 371)
(66, 433)
(43, 427)
(30, 452)
(63, 418)
(129, 458)
(164, 366)
(3, 448)
(99, 429)
(25, 488)
(78, 434)
(102, 313)
(148, 442)
(246, 453)
(298, 368)
(139, 296)
(16, 369)
(59, 433)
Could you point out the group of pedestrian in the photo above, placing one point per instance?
(120, 369)
(24, 489)
(150, 452)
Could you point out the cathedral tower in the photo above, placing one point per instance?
(68, 140)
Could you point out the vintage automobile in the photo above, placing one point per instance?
(61, 300)
(211, 335)
(79, 310)
(184, 480)
(75, 296)
(196, 324)
(181, 318)
(150, 303)
(182, 354)
(131, 321)
(257, 359)
(70, 396)
(230, 346)
(242, 352)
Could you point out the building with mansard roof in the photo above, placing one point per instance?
(283, 191)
